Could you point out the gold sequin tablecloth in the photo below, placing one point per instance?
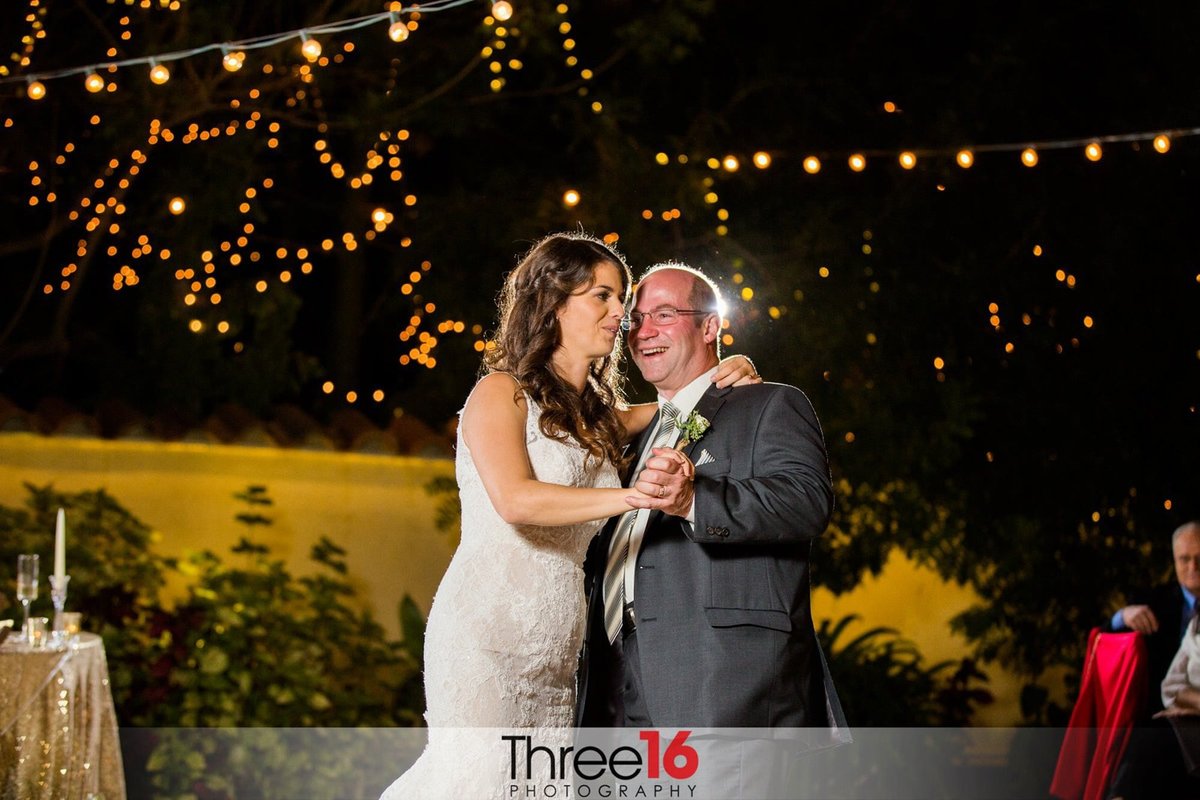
(58, 728)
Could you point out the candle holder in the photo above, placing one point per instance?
(58, 596)
(27, 585)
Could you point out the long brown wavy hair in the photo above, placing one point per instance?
(558, 266)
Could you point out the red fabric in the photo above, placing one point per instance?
(1112, 690)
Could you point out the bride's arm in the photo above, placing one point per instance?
(493, 426)
(732, 371)
(635, 418)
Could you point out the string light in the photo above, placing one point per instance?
(159, 73)
(965, 157)
(233, 60)
(255, 43)
(310, 47)
(36, 90)
(93, 82)
(760, 159)
(502, 10)
(397, 30)
(571, 198)
(730, 163)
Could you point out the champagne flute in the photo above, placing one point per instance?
(27, 589)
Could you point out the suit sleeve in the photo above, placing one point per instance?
(789, 497)
(1159, 599)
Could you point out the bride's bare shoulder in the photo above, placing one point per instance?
(496, 393)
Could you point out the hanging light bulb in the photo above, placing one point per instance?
(233, 60)
(36, 90)
(158, 73)
(730, 163)
(812, 165)
(571, 198)
(1162, 143)
(858, 162)
(502, 10)
(397, 31)
(762, 159)
(1093, 151)
(908, 159)
(1029, 157)
(93, 83)
(177, 206)
(965, 159)
(311, 48)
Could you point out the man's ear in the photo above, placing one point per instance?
(712, 328)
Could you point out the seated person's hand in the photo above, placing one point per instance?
(1176, 711)
(1140, 619)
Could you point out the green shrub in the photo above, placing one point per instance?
(882, 680)
(249, 645)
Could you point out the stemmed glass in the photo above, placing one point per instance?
(27, 588)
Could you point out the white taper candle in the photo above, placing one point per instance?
(60, 545)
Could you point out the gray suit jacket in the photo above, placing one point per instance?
(725, 633)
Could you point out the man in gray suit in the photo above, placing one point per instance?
(699, 616)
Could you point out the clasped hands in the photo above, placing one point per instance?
(666, 483)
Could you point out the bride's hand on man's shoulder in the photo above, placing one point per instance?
(736, 370)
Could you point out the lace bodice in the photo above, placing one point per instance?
(505, 629)
(553, 461)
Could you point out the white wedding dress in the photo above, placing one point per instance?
(504, 632)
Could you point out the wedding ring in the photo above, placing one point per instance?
(662, 491)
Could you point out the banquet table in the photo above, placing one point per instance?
(58, 727)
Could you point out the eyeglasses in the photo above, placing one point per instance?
(661, 316)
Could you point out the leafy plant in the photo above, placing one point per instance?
(250, 645)
(448, 512)
(870, 520)
(883, 681)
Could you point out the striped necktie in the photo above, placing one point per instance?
(614, 571)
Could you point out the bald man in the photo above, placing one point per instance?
(1153, 766)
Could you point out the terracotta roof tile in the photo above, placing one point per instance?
(287, 426)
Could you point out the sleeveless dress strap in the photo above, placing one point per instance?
(531, 419)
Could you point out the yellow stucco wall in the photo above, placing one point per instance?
(915, 601)
(375, 507)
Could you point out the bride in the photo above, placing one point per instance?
(539, 446)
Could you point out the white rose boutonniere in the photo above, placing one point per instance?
(692, 429)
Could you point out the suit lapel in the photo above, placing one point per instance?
(710, 403)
